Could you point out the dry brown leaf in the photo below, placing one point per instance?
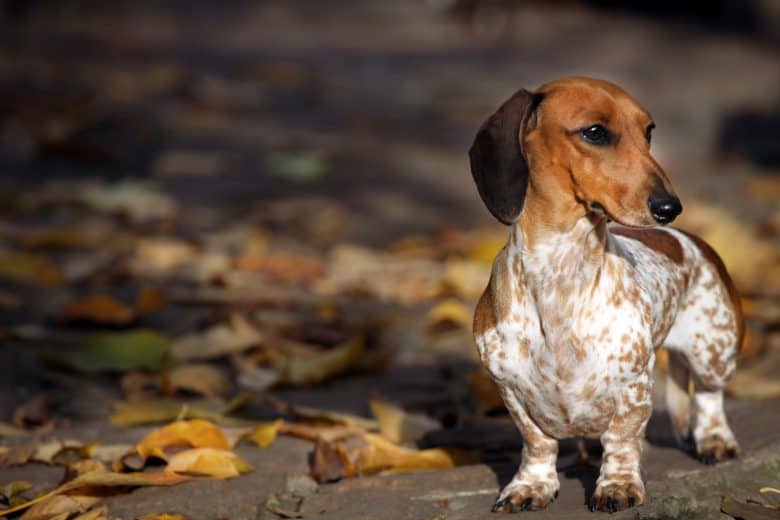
(747, 385)
(97, 480)
(328, 433)
(354, 269)
(59, 506)
(211, 462)
(220, 340)
(331, 462)
(319, 416)
(149, 300)
(196, 433)
(96, 513)
(203, 379)
(282, 266)
(98, 309)
(400, 426)
(17, 454)
(32, 413)
(158, 257)
(29, 268)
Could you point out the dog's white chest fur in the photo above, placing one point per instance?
(575, 332)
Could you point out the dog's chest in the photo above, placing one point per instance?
(563, 357)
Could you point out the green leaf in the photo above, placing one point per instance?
(302, 166)
(120, 351)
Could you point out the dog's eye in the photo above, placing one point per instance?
(597, 135)
(649, 132)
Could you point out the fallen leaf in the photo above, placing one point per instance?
(191, 163)
(220, 340)
(264, 434)
(195, 433)
(330, 462)
(141, 202)
(98, 309)
(282, 266)
(319, 416)
(400, 426)
(211, 462)
(203, 379)
(159, 256)
(29, 268)
(33, 413)
(12, 489)
(107, 479)
(58, 507)
(447, 315)
(744, 384)
(149, 300)
(119, 352)
(359, 270)
(465, 278)
(302, 166)
(9, 431)
(96, 513)
(162, 410)
(18, 454)
(299, 370)
(381, 455)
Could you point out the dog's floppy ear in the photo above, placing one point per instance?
(498, 163)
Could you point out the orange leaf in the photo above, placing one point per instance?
(99, 309)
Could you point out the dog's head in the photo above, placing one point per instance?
(584, 136)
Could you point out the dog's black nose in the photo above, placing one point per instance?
(664, 208)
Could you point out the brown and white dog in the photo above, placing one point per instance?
(574, 309)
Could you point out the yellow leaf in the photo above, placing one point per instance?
(264, 434)
(398, 425)
(383, 455)
(307, 370)
(103, 479)
(466, 278)
(448, 314)
(196, 433)
(211, 462)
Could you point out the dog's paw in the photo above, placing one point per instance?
(714, 449)
(526, 496)
(615, 496)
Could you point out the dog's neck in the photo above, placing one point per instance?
(560, 249)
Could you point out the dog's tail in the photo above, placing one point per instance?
(678, 397)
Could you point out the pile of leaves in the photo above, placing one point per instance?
(194, 330)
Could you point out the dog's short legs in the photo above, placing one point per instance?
(620, 483)
(714, 439)
(535, 485)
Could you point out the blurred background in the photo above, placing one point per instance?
(293, 175)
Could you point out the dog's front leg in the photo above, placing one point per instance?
(620, 483)
(536, 483)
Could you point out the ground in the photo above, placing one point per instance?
(298, 170)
